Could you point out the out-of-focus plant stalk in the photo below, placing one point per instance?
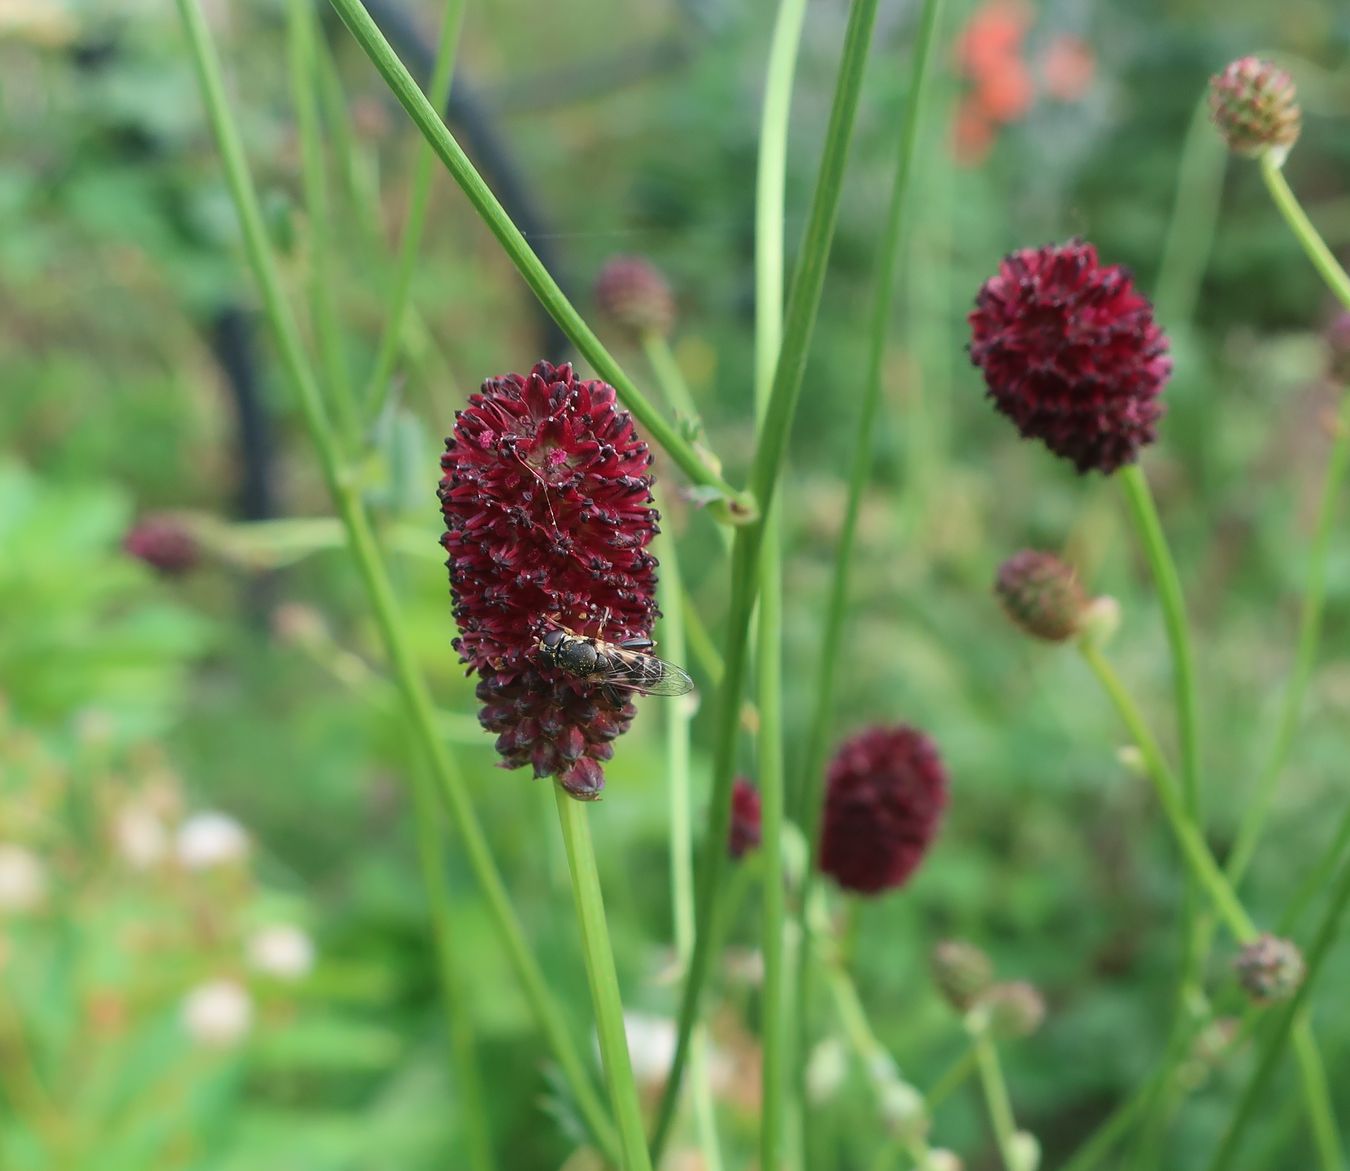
(770, 197)
(604, 980)
(345, 491)
(679, 782)
(996, 1098)
(798, 326)
(542, 284)
(442, 75)
(302, 35)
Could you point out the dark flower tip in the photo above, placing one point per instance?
(884, 796)
(634, 293)
(1269, 968)
(546, 495)
(1041, 594)
(744, 835)
(1255, 107)
(1071, 354)
(165, 543)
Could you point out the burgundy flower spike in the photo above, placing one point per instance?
(745, 833)
(885, 793)
(546, 494)
(1071, 354)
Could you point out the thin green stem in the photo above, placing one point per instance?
(770, 196)
(1317, 878)
(669, 377)
(1317, 1096)
(1190, 231)
(1255, 1094)
(374, 576)
(1204, 870)
(454, 995)
(799, 324)
(996, 1098)
(381, 374)
(604, 980)
(1323, 260)
(541, 283)
(303, 36)
(1333, 480)
(678, 717)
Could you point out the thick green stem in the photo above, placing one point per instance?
(770, 195)
(604, 980)
(1255, 1095)
(544, 287)
(1317, 251)
(374, 576)
(799, 324)
(1204, 870)
(442, 74)
(996, 1098)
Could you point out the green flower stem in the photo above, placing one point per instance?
(1204, 870)
(656, 348)
(303, 61)
(1195, 212)
(609, 1026)
(1312, 243)
(370, 564)
(996, 1097)
(770, 195)
(679, 714)
(442, 74)
(544, 287)
(454, 993)
(1317, 878)
(1333, 480)
(799, 324)
(1255, 1095)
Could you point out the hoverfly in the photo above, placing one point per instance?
(613, 667)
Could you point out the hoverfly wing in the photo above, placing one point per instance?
(646, 674)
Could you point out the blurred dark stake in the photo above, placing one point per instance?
(469, 114)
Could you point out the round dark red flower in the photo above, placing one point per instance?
(165, 543)
(1041, 594)
(546, 495)
(1071, 354)
(744, 834)
(885, 792)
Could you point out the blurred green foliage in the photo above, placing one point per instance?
(256, 681)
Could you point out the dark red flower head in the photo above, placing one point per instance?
(744, 835)
(1071, 354)
(884, 796)
(546, 495)
(165, 543)
(636, 295)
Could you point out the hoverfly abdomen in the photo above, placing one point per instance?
(613, 667)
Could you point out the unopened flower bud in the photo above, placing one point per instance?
(941, 1159)
(962, 973)
(1255, 106)
(1269, 968)
(1100, 621)
(1041, 594)
(1014, 1009)
(826, 1070)
(165, 543)
(633, 292)
(903, 1111)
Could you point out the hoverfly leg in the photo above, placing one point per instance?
(612, 696)
(638, 643)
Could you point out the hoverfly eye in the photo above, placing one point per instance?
(551, 640)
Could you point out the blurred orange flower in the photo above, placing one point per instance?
(1068, 67)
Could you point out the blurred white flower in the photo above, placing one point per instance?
(1024, 1152)
(940, 1159)
(651, 1045)
(903, 1110)
(282, 951)
(211, 839)
(140, 837)
(217, 1014)
(23, 881)
(826, 1069)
